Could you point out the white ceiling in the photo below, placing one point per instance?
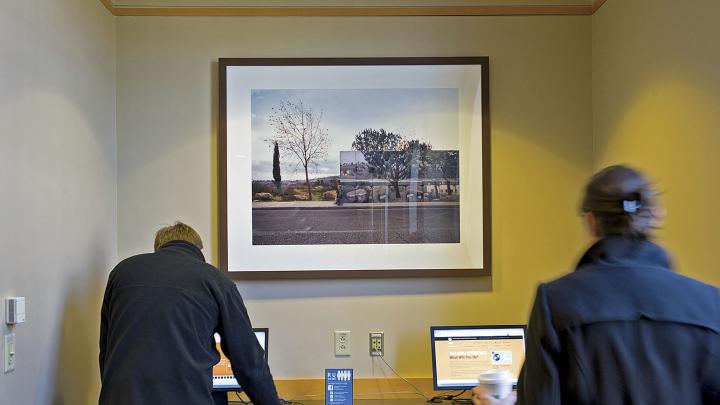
(344, 3)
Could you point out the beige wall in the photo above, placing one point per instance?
(656, 103)
(58, 181)
(542, 154)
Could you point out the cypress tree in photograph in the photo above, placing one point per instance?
(276, 167)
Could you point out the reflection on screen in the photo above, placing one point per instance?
(223, 377)
(461, 355)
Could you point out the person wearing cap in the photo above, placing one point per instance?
(623, 328)
(159, 316)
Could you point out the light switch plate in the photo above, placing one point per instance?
(9, 352)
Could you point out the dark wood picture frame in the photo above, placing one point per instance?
(224, 63)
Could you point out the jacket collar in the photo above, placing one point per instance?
(617, 250)
(185, 248)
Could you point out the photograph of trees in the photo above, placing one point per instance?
(355, 166)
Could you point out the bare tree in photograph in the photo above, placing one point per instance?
(297, 131)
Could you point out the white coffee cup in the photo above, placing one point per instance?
(497, 383)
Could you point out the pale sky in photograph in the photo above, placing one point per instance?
(428, 114)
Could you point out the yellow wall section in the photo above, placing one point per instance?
(541, 147)
(656, 104)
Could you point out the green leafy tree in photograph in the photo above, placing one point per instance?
(380, 149)
(391, 156)
(417, 161)
(448, 163)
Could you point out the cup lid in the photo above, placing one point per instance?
(495, 376)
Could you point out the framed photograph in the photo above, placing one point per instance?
(354, 167)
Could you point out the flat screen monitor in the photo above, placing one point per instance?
(461, 353)
(223, 378)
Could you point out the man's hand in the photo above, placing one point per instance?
(481, 397)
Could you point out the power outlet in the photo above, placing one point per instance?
(342, 342)
(9, 353)
(377, 344)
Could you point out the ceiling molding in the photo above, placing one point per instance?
(560, 10)
(109, 6)
(596, 5)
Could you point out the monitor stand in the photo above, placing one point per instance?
(220, 397)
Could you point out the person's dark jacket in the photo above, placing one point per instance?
(623, 329)
(159, 316)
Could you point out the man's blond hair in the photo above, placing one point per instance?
(177, 231)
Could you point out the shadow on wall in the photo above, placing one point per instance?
(416, 349)
(326, 288)
(77, 380)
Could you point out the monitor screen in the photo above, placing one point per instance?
(461, 353)
(223, 378)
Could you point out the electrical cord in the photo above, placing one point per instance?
(242, 401)
(445, 397)
(417, 390)
(286, 402)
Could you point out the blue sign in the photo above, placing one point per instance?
(338, 386)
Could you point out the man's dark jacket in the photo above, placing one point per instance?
(623, 329)
(156, 337)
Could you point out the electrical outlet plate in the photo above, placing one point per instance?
(377, 344)
(9, 352)
(342, 342)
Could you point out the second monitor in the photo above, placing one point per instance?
(461, 353)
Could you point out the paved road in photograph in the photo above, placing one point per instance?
(360, 225)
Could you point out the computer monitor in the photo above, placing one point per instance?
(223, 378)
(461, 353)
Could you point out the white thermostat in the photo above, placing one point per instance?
(14, 310)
